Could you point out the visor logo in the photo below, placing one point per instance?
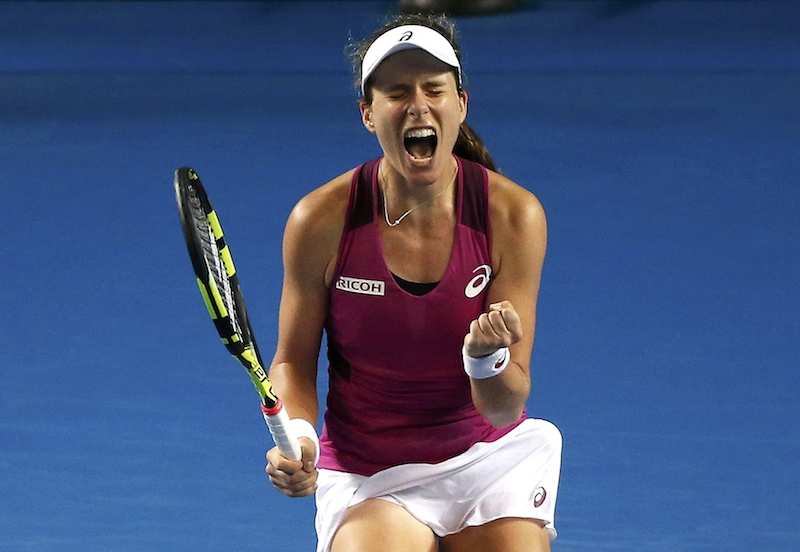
(406, 36)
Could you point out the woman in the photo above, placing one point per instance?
(423, 268)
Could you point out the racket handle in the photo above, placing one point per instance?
(278, 422)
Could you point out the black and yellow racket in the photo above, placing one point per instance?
(219, 286)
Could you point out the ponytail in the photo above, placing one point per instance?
(470, 146)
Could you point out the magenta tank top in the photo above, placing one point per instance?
(397, 392)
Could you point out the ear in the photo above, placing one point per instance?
(462, 100)
(366, 116)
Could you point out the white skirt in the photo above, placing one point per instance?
(515, 476)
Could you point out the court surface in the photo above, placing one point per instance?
(663, 138)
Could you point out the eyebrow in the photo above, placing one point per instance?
(436, 81)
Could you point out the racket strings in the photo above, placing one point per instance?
(213, 259)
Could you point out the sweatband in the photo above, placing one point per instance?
(303, 428)
(487, 366)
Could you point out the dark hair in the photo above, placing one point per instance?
(468, 144)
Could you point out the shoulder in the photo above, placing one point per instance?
(513, 208)
(314, 229)
(323, 209)
(519, 229)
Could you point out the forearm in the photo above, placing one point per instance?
(501, 398)
(292, 477)
(297, 392)
(499, 384)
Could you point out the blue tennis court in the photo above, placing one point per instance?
(662, 137)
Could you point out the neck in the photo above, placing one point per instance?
(401, 198)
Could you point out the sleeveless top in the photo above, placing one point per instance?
(397, 392)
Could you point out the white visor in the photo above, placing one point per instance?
(403, 38)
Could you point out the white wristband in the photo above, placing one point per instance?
(487, 366)
(303, 428)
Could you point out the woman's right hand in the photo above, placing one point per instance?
(293, 478)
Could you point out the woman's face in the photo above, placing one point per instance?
(416, 112)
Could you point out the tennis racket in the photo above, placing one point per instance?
(219, 286)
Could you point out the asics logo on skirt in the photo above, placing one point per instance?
(538, 498)
(479, 282)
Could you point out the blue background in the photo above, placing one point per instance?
(663, 138)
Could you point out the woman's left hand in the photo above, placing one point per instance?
(499, 327)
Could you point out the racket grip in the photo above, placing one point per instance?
(278, 422)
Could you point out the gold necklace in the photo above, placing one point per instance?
(404, 215)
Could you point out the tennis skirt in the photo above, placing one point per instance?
(513, 477)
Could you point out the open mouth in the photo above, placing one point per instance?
(420, 143)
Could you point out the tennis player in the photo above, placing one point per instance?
(423, 269)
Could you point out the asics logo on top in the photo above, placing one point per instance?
(359, 285)
(479, 282)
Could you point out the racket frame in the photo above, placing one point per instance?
(230, 320)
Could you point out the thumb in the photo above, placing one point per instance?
(308, 451)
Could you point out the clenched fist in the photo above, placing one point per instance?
(499, 327)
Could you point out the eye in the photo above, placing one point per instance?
(394, 94)
(435, 88)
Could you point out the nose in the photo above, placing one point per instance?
(418, 104)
